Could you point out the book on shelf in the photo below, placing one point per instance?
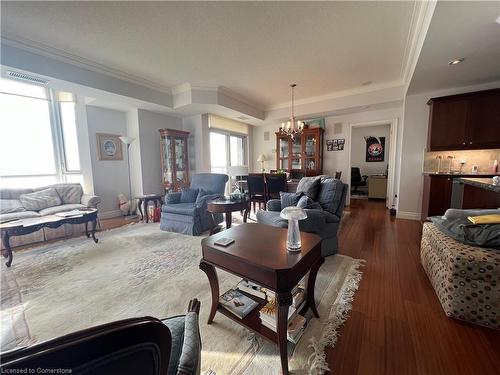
(295, 328)
(298, 298)
(252, 288)
(237, 303)
(269, 311)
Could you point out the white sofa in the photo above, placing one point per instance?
(48, 200)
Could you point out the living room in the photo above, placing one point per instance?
(293, 177)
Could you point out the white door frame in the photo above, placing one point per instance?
(393, 124)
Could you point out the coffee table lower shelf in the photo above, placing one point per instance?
(252, 320)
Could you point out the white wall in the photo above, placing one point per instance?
(414, 142)
(198, 142)
(358, 148)
(110, 176)
(149, 138)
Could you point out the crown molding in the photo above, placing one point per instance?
(339, 94)
(419, 25)
(65, 57)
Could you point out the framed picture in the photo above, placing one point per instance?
(375, 149)
(315, 123)
(335, 144)
(109, 147)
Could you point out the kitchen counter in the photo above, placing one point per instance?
(483, 183)
(482, 174)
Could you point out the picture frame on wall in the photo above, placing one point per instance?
(335, 144)
(315, 123)
(109, 147)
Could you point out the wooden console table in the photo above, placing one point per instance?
(259, 254)
(27, 226)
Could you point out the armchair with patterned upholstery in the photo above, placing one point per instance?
(186, 212)
(146, 346)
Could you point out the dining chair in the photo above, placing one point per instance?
(274, 184)
(256, 189)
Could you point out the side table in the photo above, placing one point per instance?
(227, 207)
(142, 205)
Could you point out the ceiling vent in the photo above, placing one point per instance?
(243, 118)
(27, 78)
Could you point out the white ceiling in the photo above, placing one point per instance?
(254, 49)
(459, 29)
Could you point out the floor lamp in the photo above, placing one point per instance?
(127, 141)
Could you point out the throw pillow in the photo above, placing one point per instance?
(41, 199)
(304, 201)
(310, 186)
(8, 206)
(289, 199)
(69, 193)
(201, 194)
(189, 195)
(330, 194)
(173, 198)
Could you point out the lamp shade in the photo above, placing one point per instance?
(237, 170)
(261, 157)
(127, 140)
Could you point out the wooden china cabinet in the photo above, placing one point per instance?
(302, 153)
(174, 159)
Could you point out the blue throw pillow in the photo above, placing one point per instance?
(189, 195)
(289, 199)
(306, 202)
(202, 193)
(330, 194)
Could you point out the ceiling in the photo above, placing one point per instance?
(253, 49)
(459, 30)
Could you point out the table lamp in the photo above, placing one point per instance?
(262, 158)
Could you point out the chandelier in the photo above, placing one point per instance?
(292, 127)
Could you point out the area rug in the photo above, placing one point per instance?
(139, 270)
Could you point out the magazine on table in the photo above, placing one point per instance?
(237, 303)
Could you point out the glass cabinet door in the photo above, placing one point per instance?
(296, 148)
(310, 145)
(167, 160)
(284, 148)
(180, 160)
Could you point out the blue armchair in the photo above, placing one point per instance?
(323, 221)
(191, 216)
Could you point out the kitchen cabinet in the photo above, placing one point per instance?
(465, 121)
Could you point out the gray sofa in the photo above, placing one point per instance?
(16, 203)
(191, 217)
(323, 221)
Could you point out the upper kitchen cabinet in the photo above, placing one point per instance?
(465, 121)
(484, 120)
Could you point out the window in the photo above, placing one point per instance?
(38, 138)
(226, 150)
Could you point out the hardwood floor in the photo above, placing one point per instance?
(397, 325)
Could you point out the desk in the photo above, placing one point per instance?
(377, 187)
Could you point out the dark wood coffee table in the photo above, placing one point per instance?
(227, 207)
(27, 226)
(259, 254)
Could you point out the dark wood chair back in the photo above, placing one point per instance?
(296, 174)
(256, 189)
(338, 174)
(131, 346)
(256, 184)
(274, 184)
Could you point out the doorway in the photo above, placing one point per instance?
(372, 157)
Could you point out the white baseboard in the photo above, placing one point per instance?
(110, 214)
(408, 215)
